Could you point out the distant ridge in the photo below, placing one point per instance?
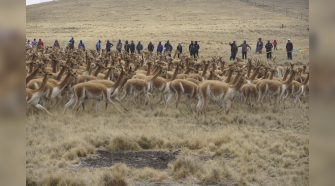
(34, 2)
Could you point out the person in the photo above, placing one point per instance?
(289, 49)
(151, 47)
(259, 46)
(28, 44)
(34, 43)
(139, 47)
(159, 48)
(197, 47)
(56, 44)
(268, 48)
(126, 46)
(119, 46)
(132, 47)
(245, 47)
(179, 49)
(168, 47)
(108, 46)
(71, 43)
(81, 45)
(275, 45)
(191, 49)
(40, 44)
(98, 46)
(234, 50)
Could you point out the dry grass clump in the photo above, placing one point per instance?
(74, 149)
(108, 179)
(116, 176)
(150, 142)
(98, 141)
(61, 180)
(192, 144)
(121, 143)
(210, 172)
(119, 173)
(31, 182)
(218, 172)
(185, 167)
(226, 151)
(150, 174)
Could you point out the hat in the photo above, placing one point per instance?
(289, 39)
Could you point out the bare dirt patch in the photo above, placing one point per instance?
(139, 159)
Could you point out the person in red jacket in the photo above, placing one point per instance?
(275, 45)
(40, 44)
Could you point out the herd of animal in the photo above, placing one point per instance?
(73, 77)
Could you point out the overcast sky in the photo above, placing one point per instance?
(30, 2)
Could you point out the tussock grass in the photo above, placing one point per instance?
(150, 174)
(108, 179)
(61, 181)
(123, 144)
(150, 142)
(184, 167)
(257, 151)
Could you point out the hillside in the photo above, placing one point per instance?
(214, 23)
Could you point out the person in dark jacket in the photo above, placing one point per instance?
(259, 46)
(191, 49)
(139, 47)
(119, 46)
(197, 48)
(151, 47)
(245, 47)
(132, 47)
(126, 46)
(56, 44)
(168, 47)
(268, 48)
(289, 49)
(234, 50)
(179, 49)
(71, 43)
(109, 46)
(160, 48)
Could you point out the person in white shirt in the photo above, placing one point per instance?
(28, 44)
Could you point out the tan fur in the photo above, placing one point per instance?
(179, 87)
(219, 92)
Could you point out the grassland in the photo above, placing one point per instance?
(260, 146)
(264, 145)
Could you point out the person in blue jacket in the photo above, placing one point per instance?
(98, 46)
(108, 46)
(259, 46)
(168, 47)
(159, 48)
(81, 45)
